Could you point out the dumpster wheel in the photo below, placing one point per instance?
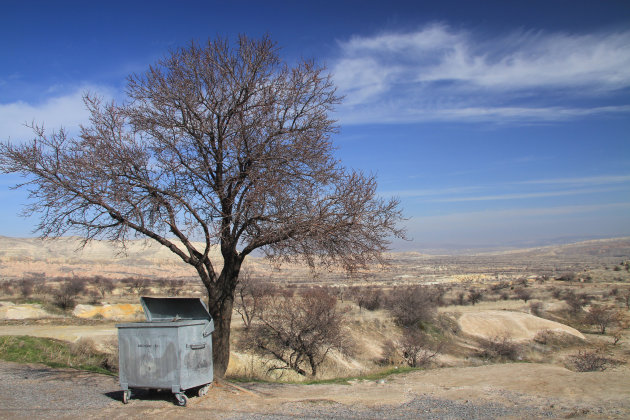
(182, 399)
(126, 396)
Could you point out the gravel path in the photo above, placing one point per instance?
(38, 392)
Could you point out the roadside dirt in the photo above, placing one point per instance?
(496, 391)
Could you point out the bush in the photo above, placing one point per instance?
(474, 296)
(602, 316)
(416, 349)
(535, 308)
(588, 361)
(413, 306)
(68, 291)
(523, 294)
(499, 347)
(297, 333)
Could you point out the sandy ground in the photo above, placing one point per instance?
(515, 325)
(512, 391)
(70, 333)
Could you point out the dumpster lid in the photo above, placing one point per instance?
(173, 309)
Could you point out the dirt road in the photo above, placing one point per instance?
(520, 390)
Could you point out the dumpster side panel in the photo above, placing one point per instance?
(148, 357)
(196, 356)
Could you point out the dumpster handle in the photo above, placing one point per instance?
(196, 346)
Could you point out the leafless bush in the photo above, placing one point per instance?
(556, 338)
(504, 295)
(26, 287)
(461, 298)
(390, 354)
(174, 287)
(298, 332)
(569, 276)
(602, 316)
(523, 294)
(535, 308)
(624, 298)
(136, 285)
(6, 288)
(499, 347)
(588, 361)
(103, 285)
(249, 296)
(556, 292)
(575, 301)
(500, 286)
(474, 296)
(367, 298)
(416, 349)
(68, 291)
(412, 306)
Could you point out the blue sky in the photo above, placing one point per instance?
(496, 123)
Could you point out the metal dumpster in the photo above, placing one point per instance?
(172, 350)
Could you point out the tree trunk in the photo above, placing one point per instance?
(222, 317)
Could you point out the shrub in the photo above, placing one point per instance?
(103, 285)
(26, 287)
(412, 306)
(249, 296)
(415, 349)
(556, 338)
(588, 361)
(535, 308)
(499, 347)
(474, 296)
(297, 333)
(523, 294)
(7, 288)
(602, 316)
(68, 291)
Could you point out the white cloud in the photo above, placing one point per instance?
(439, 73)
(65, 110)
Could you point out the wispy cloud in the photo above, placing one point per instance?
(524, 195)
(440, 73)
(61, 109)
(519, 190)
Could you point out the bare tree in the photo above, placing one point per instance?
(68, 291)
(602, 316)
(416, 348)
(222, 142)
(174, 287)
(104, 285)
(298, 332)
(137, 285)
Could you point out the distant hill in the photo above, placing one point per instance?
(66, 257)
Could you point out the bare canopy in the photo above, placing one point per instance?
(222, 143)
